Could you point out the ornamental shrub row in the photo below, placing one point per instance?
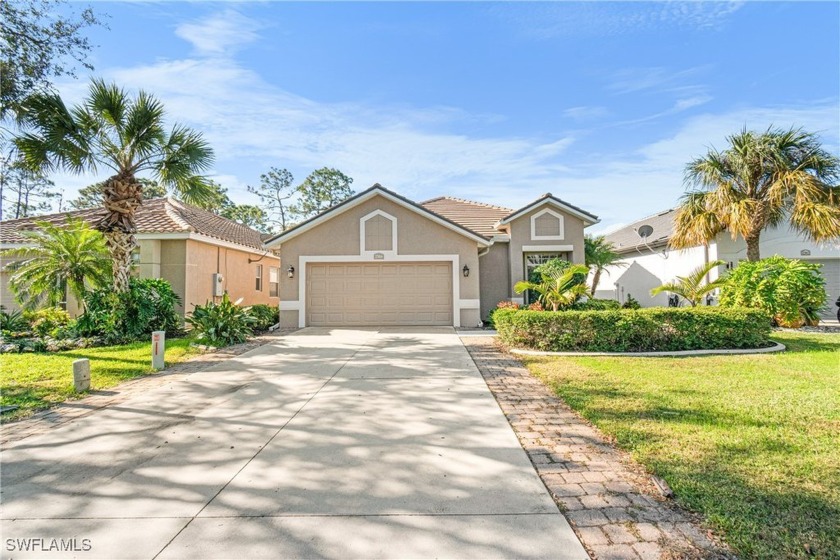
(634, 330)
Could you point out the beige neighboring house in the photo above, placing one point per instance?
(200, 254)
(379, 258)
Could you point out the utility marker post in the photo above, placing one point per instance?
(81, 375)
(158, 347)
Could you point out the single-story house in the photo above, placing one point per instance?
(200, 254)
(379, 258)
(643, 246)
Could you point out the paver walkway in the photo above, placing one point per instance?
(326, 443)
(611, 504)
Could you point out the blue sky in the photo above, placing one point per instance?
(601, 104)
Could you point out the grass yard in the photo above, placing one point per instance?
(752, 442)
(39, 380)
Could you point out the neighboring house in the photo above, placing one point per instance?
(652, 263)
(381, 259)
(199, 253)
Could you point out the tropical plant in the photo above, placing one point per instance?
(693, 287)
(149, 305)
(599, 254)
(47, 321)
(631, 303)
(264, 316)
(791, 290)
(57, 259)
(126, 135)
(558, 288)
(12, 321)
(221, 324)
(759, 181)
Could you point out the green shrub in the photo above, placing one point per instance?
(790, 290)
(149, 305)
(47, 321)
(634, 330)
(221, 324)
(264, 316)
(501, 305)
(594, 304)
(12, 321)
(631, 303)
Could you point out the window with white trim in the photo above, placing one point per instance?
(273, 281)
(258, 278)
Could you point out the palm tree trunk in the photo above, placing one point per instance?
(122, 195)
(753, 253)
(595, 279)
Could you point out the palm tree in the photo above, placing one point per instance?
(599, 254)
(758, 182)
(558, 288)
(691, 288)
(124, 135)
(71, 256)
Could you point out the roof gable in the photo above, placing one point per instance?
(375, 190)
(550, 199)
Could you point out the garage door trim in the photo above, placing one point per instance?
(453, 259)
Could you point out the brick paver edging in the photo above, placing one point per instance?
(777, 347)
(40, 422)
(607, 498)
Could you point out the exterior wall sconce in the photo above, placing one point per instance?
(291, 271)
(466, 271)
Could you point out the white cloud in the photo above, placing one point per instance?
(585, 112)
(220, 33)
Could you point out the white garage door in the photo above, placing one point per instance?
(831, 273)
(358, 294)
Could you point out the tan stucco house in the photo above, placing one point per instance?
(381, 259)
(200, 254)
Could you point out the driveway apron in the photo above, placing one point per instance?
(328, 443)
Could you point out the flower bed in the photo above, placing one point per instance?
(634, 330)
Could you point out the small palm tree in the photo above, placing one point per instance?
(691, 288)
(71, 256)
(758, 182)
(124, 135)
(558, 288)
(599, 254)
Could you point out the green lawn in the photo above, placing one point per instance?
(38, 380)
(752, 442)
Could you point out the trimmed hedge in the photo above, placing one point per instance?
(593, 304)
(657, 329)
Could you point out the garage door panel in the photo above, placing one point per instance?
(379, 294)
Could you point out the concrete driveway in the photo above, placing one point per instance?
(328, 443)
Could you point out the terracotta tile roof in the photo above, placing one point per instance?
(158, 215)
(626, 239)
(476, 216)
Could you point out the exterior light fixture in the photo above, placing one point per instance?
(466, 271)
(291, 271)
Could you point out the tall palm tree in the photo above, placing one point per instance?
(692, 288)
(757, 182)
(599, 254)
(558, 288)
(121, 133)
(68, 257)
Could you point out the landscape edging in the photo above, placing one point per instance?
(777, 347)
